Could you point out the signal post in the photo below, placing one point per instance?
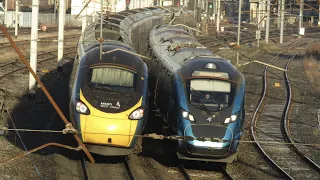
(210, 10)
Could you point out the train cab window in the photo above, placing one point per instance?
(113, 79)
(215, 95)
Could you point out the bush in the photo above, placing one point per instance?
(314, 50)
(312, 67)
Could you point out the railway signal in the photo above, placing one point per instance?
(210, 7)
(127, 4)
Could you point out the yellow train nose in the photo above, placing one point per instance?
(106, 131)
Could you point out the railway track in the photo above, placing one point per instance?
(118, 168)
(24, 30)
(45, 39)
(249, 36)
(267, 125)
(285, 124)
(220, 173)
(11, 67)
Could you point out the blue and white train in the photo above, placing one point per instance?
(198, 94)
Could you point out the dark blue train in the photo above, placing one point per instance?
(198, 94)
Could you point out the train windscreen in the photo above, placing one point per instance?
(114, 79)
(215, 95)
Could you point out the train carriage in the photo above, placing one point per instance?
(198, 94)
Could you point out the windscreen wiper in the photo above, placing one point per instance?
(204, 106)
(198, 100)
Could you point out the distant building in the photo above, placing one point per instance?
(44, 5)
(112, 6)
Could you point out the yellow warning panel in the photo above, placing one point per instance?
(277, 85)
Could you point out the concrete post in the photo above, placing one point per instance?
(319, 15)
(55, 7)
(279, 10)
(17, 17)
(301, 15)
(84, 19)
(34, 42)
(262, 13)
(239, 31)
(5, 12)
(62, 12)
(268, 22)
(218, 16)
(194, 8)
(101, 24)
(259, 24)
(282, 21)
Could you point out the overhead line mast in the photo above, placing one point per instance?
(34, 44)
(62, 13)
(101, 24)
(16, 22)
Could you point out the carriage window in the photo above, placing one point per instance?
(113, 78)
(215, 95)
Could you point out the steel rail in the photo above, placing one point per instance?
(22, 68)
(44, 89)
(44, 39)
(183, 171)
(226, 174)
(128, 169)
(285, 123)
(44, 53)
(84, 166)
(257, 114)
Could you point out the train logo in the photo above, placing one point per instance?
(109, 105)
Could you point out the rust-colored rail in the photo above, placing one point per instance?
(44, 89)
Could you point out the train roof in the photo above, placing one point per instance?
(110, 31)
(92, 57)
(115, 27)
(177, 46)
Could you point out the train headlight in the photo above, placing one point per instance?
(82, 108)
(136, 114)
(233, 117)
(186, 115)
(210, 66)
(230, 119)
